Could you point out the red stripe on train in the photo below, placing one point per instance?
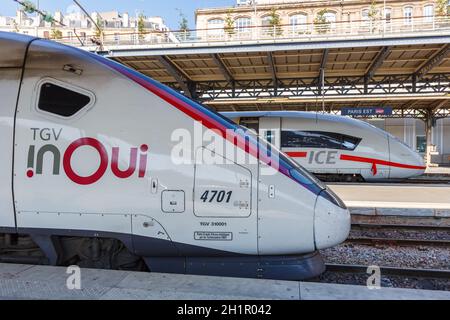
(297, 154)
(376, 162)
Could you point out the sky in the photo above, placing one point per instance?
(164, 8)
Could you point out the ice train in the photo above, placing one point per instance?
(335, 148)
(89, 177)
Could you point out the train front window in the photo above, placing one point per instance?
(318, 139)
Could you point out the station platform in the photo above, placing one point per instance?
(439, 174)
(438, 171)
(394, 199)
(44, 282)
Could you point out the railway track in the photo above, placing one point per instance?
(397, 241)
(393, 271)
(426, 181)
(376, 226)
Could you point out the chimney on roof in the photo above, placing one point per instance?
(20, 17)
(126, 20)
(59, 16)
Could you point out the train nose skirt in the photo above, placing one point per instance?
(292, 267)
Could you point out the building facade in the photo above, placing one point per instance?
(299, 16)
(76, 26)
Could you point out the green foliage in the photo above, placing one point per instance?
(16, 26)
(183, 26)
(275, 23)
(99, 30)
(141, 27)
(373, 11)
(56, 34)
(321, 23)
(229, 24)
(442, 8)
(183, 23)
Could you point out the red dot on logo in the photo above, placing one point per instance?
(144, 148)
(30, 173)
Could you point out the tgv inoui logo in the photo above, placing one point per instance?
(36, 158)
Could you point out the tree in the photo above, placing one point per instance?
(373, 11)
(229, 24)
(141, 27)
(373, 15)
(183, 25)
(443, 8)
(321, 23)
(275, 23)
(16, 26)
(99, 30)
(56, 34)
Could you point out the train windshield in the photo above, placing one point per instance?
(296, 171)
(301, 174)
(318, 139)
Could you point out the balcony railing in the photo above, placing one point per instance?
(284, 33)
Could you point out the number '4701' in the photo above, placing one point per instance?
(216, 196)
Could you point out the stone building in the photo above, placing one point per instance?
(299, 16)
(77, 26)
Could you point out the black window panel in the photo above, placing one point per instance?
(318, 139)
(250, 123)
(61, 101)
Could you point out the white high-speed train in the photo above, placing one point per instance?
(91, 175)
(335, 148)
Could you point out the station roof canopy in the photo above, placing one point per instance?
(408, 73)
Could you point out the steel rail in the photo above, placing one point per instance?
(375, 226)
(399, 242)
(427, 181)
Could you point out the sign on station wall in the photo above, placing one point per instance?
(367, 111)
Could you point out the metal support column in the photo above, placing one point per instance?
(366, 84)
(192, 90)
(414, 83)
(430, 122)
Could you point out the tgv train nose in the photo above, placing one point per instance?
(332, 220)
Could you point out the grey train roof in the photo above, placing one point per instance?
(12, 49)
(291, 114)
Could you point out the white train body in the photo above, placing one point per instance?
(334, 145)
(87, 153)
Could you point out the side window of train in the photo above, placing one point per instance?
(62, 100)
(318, 139)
